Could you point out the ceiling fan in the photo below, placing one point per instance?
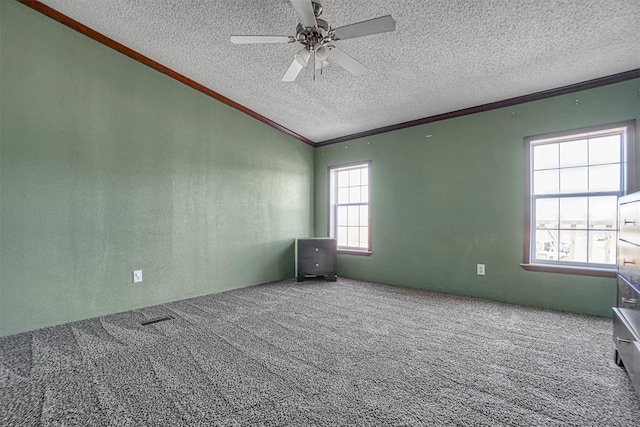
(317, 37)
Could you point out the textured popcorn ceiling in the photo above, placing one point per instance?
(445, 55)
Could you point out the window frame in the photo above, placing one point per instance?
(627, 186)
(332, 208)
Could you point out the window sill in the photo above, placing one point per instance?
(354, 252)
(581, 271)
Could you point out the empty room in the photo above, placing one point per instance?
(319, 213)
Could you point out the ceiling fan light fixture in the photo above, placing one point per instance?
(322, 53)
(302, 57)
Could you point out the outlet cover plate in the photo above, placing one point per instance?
(480, 269)
(137, 276)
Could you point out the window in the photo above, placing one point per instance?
(349, 208)
(574, 182)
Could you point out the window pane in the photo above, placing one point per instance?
(354, 194)
(364, 176)
(342, 236)
(547, 211)
(545, 182)
(342, 216)
(343, 178)
(602, 247)
(573, 246)
(573, 153)
(354, 177)
(605, 149)
(545, 156)
(573, 212)
(364, 194)
(574, 180)
(364, 237)
(353, 236)
(354, 215)
(364, 216)
(343, 195)
(546, 245)
(604, 178)
(603, 212)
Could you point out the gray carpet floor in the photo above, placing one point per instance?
(319, 353)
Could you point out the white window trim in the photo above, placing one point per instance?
(628, 178)
(332, 193)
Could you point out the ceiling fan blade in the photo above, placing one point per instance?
(261, 39)
(382, 24)
(300, 61)
(292, 72)
(304, 10)
(345, 61)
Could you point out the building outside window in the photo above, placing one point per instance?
(575, 179)
(349, 207)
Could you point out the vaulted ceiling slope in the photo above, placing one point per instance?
(445, 55)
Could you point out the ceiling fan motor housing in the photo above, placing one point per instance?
(313, 36)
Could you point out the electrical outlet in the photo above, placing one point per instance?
(480, 269)
(137, 276)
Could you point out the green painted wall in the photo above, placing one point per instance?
(443, 204)
(108, 166)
